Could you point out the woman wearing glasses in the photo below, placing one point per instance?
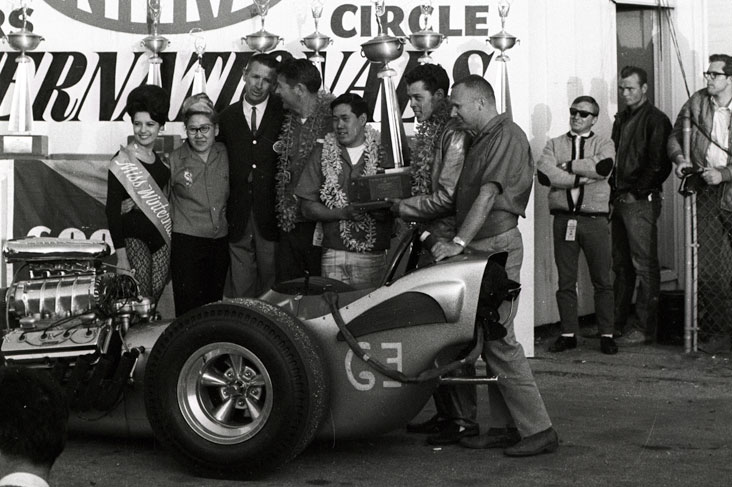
(199, 175)
(137, 204)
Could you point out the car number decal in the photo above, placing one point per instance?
(366, 379)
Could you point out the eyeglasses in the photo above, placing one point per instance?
(712, 75)
(203, 130)
(581, 113)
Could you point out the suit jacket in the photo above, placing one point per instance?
(249, 154)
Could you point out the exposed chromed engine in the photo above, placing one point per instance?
(70, 314)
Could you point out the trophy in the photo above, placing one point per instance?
(21, 113)
(262, 41)
(426, 39)
(316, 41)
(21, 116)
(154, 43)
(503, 41)
(199, 75)
(395, 183)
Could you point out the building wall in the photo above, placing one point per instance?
(572, 52)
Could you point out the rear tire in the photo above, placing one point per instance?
(236, 388)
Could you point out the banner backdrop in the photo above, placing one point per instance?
(59, 198)
(92, 58)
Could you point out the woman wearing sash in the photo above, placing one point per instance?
(137, 207)
(199, 189)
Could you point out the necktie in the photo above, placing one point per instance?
(254, 120)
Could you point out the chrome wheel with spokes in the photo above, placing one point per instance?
(225, 393)
(237, 388)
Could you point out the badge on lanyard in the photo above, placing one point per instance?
(571, 234)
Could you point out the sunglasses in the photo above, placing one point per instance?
(581, 113)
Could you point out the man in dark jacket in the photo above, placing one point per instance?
(249, 129)
(640, 133)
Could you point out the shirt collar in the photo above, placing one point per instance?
(499, 119)
(23, 478)
(247, 107)
(717, 106)
(586, 135)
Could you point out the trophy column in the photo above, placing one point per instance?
(155, 43)
(372, 191)
(503, 41)
(20, 142)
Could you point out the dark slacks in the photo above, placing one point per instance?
(635, 254)
(297, 254)
(593, 239)
(252, 267)
(198, 267)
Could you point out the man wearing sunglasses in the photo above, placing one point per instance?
(576, 166)
(640, 133)
(709, 112)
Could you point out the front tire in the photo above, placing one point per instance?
(236, 388)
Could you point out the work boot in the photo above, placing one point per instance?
(608, 346)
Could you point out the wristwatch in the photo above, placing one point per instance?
(459, 241)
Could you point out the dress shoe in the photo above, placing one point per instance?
(608, 345)
(563, 343)
(429, 427)
(494, 438)
(635, 337)
(545, 441)
(452, 433)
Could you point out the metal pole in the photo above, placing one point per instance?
(688, 251)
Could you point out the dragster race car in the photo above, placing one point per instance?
(244, 385)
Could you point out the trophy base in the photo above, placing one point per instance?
(23, 145)
(372, 192)
(164, 144)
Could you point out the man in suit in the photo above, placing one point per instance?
(249, 129)
(33, 418)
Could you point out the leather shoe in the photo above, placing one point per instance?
(545, 441)
(608, 345)
(563, 343)
(430, 427)
(493, 438)
(452, 433)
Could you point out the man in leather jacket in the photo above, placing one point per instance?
(711, 132)
(640, 133)
(438, 158)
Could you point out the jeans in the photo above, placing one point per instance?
(635, 254)
(593, 238)
(359, 269)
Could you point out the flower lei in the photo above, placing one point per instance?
(333, 195)
(287, 169)
(426, 142)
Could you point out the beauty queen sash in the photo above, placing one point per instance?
(143, 190)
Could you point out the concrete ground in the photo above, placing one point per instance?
(650, 415)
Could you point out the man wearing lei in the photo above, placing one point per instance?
(439, 152)
(308, 120)
(354, 241)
